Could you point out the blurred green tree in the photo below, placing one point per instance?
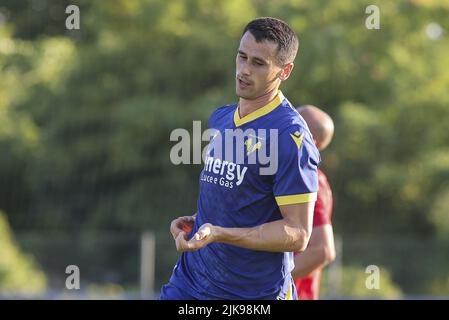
(18, 271)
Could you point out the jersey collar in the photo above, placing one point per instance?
(273, 104)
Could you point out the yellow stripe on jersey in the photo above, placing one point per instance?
(289, 293)
(296, 198)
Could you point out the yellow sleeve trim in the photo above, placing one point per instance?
(296, 198)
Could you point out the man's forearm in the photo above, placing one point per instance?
(276, 236)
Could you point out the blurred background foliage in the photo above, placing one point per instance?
(18, 271)
(354, 284)
(86, 115)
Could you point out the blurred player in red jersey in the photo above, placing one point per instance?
(321, 249)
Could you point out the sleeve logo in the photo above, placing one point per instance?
(297, 137)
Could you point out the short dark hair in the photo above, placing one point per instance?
(275, 30)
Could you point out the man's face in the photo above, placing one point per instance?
(257, 71)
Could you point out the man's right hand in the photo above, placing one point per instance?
(182, 224)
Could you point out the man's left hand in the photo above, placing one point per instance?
(206, 234)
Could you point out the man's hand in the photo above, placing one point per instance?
(182, 224)
(206, 234)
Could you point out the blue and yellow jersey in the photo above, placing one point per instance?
(236, 192)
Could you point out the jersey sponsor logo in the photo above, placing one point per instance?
(229, 173)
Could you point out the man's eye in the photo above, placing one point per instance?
(242, 57)
(258, 63)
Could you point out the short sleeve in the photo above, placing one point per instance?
(296, 180)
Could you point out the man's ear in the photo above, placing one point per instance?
(286, 71)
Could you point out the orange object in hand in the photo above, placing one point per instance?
(186, 226)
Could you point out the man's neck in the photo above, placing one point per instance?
(248, 106)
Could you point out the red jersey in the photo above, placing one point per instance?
(309, 288)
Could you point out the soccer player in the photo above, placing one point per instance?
(321, 250)
(250, 221)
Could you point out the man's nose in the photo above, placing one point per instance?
(245, 69)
